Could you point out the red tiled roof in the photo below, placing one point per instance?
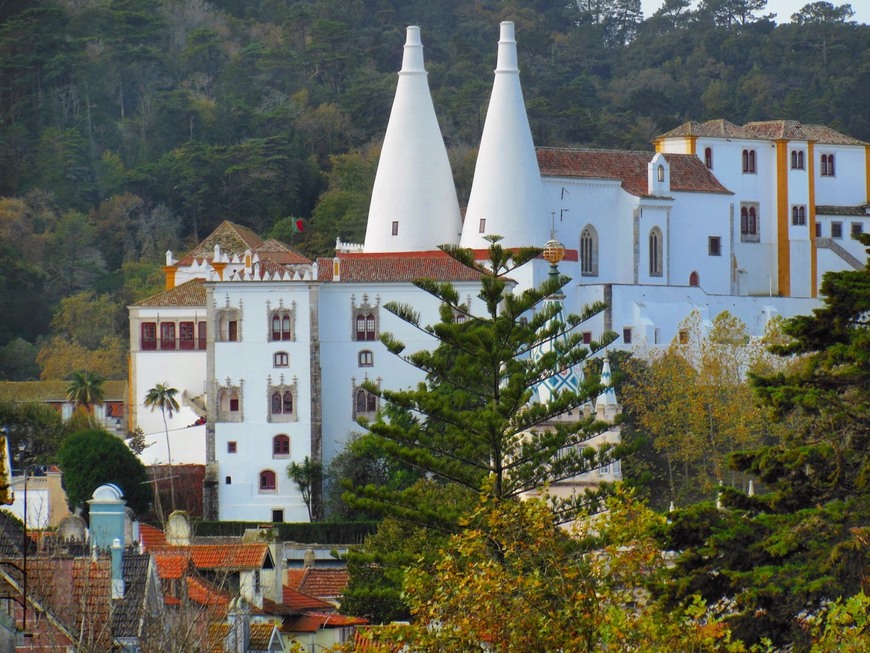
(170, 566)
(150, 536)
(324, 584)
(233, 239)
(190, 293)
(278, 252)
(261, 636)
(399, 266)
(314, 621)
(221, 556)
(204, 593)
(765, 129)
(297, 601)
(688, 172)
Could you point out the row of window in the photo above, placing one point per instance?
(173, 336)
(588, 252)
(282, 404)
(857, 228)
(365, 358)
(797, 161)
(280, 446)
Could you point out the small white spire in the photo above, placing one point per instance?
(506, 195)
(414, 205)
(608, 396)
(751, 491)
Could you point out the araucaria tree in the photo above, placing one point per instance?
(162, 397)
(476, 420)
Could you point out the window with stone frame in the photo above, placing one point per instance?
(229, 399)
(365, 319)
(282, 399)
(282, 322)
(365, 403)
(366, 358)
(750, 231)
(228, 321)
(589, 252)
(656, 263)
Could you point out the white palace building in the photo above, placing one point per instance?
(269, 349)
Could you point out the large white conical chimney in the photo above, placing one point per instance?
(414, 205)
(506, 195)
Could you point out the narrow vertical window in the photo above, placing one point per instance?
(708, 157)
(185, 335)
(395, 227)
(482, 227)
(149, 336)
(167, 335)
(655, 252)
(589, 252)
(202, 336)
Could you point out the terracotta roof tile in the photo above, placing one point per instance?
(171, 566)
(297, 601)
(261, 636)
(712, 128)
(403, 266)
(233, 239)
(204, 593)
(765, 129)
(55, 391)
(150, 536)
(688, 173)
(324, 584)
(190, 293)
(277, 252)
(222, 556)
(857, 211)
(314, 621)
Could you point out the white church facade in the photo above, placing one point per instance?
(268, 349)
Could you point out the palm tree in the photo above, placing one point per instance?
(163, 397)
(306, 476)
(85, 389)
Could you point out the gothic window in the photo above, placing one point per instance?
(589, 252)
(229, 404)
(798, 215)
(748, 161)
(655, 253)
(708, 157)
(282, 402)
(694, 279)
(797, 160)
(167, 335)
(281, 446)
(365, 321)
(282, 323)
(365, 404)
(749, 228)
(185, 336)
(827, 165)
(228, 325)
(268, 481)
(149, 336)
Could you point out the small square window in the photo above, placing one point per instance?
(281, 359)
(836, 230)
(277, 516)
(366, 358)
(231, 447)
(395, 227)
(714, 246)
(857, 228)
(234, 405)
(626, 335)
(587, 337)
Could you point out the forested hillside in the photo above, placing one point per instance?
(129, 127)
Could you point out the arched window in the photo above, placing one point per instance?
(282, 325)
(365, 358)
(229, 405)
(281, 400)
(751, 160)
(267, 480)
(794, 163)
(827, 165)
(661, 173)
(228, 480)
(798, 215)
(745, 160)
(364, 403)
(370, 326)
(280, 446)
(276, 403)
(360, 327)
(800, 159)
(749, 231)
(748, 161)
(287, 403)
(694, 279)
(655, 252)
(589, 252)
(708, 157)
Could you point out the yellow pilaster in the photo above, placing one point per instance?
(783, 250)
(811, 181)
(692, 143)
(169, 271)
(867, 172)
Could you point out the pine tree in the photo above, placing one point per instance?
(780, 556)
(474, 422)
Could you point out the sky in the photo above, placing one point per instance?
(785, 8)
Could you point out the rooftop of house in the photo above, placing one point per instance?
(190, 293)
(688, 172)
(323, 584)
(234, 240)
(223, 557)
(765, 130)
(313, 621)
(392, 266)
(55, 391)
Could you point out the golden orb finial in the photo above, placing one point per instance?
(554, 251)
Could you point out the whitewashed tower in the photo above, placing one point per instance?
(506, 194)
(414, 205)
